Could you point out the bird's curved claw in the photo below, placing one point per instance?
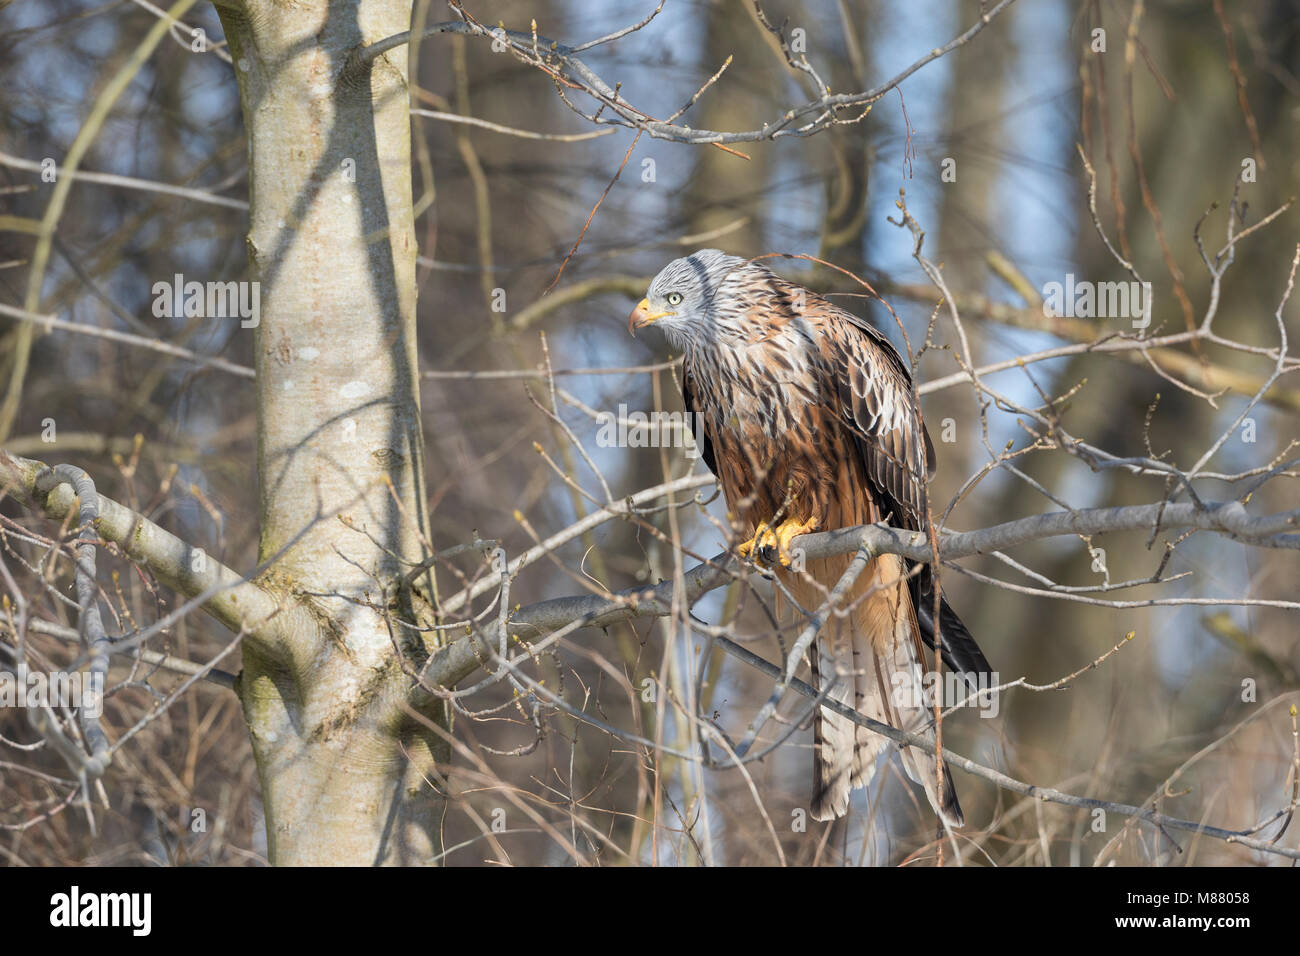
(771, 545)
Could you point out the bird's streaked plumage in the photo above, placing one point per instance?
(809, 424)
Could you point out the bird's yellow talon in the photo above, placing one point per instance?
(776, 539)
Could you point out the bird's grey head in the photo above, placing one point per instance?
(680, 298)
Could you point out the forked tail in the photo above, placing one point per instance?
(873, 659)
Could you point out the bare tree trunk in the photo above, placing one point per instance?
(345, 774)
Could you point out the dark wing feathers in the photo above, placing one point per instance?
(701, 436)
(960, 651)
(874, 388)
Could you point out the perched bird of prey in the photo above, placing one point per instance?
(809, 425)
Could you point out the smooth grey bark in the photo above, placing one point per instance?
(345, 775)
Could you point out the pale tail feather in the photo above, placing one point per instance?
(861, 653)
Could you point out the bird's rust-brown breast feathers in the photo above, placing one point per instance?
(791, 385)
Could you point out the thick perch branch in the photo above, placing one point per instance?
(459, 659)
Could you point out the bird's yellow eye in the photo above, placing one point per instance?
(673, 298)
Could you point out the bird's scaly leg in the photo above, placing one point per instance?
(776, 539)
(760, 533)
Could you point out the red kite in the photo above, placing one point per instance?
(809, 424)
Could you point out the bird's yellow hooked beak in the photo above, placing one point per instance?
(642, 316)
